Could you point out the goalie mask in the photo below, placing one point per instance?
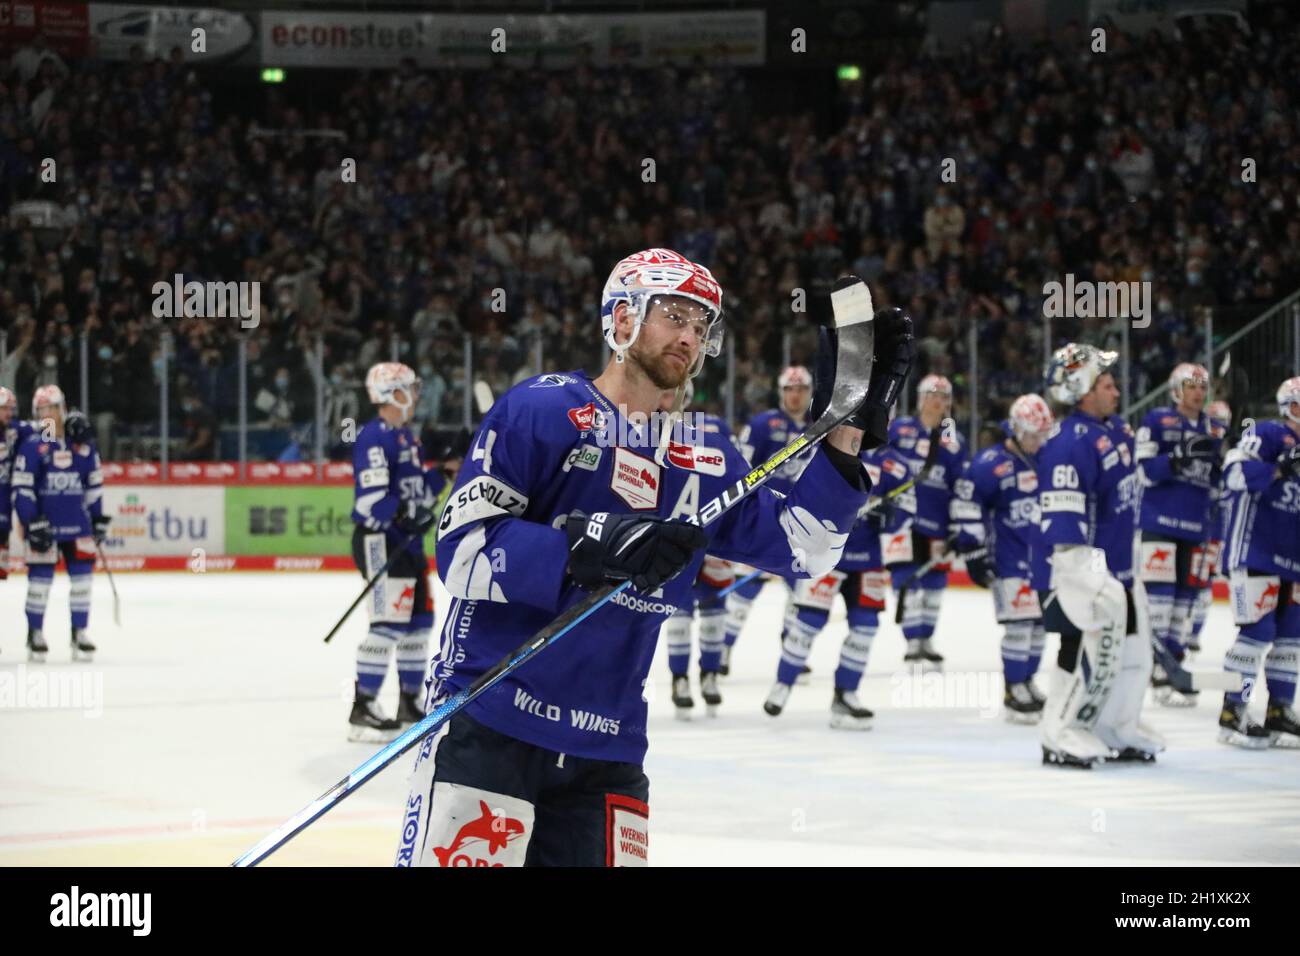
(1074, 370)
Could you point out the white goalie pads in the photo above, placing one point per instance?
(1091, 597)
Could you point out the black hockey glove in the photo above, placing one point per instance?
(1290, 463)
(895, 351)
(100, 525)
(76, 428)
(40, 537)
(609, 549)
(980, 568)
(416, 519)
(1193, 448)
(879, 517)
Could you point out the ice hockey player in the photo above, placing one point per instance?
(13, 432)
(1220, 422)
(58, 498)
(861, 579)
(554, 751)
(1178, 464)
(1002, 482)
(707, 434)
(1082, 566)
(392, 509)
(1262, 554)
(766, 434)
(912, 546)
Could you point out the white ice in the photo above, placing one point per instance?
(216, 712)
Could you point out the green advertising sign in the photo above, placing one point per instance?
(289, 519)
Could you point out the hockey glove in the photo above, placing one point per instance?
(879, 517)
(895, 351)
(1195, 448)
(1290, 463)
(980, 568)
(609, 549)
(416, 519)
(40, 537)
(76, 428)
(100, 525)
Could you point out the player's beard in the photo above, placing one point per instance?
(659, 368)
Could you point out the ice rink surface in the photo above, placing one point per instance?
(216, 712)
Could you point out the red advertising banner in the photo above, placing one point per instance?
(65, 26)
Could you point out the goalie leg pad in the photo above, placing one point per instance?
(1120, 725)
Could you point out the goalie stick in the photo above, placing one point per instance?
(1191, 682)
(854, 357)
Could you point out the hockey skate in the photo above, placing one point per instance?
(82, 647)
(1066, 743)
(1034, 692)
(931, 660)
(409, 710)
(367, 722)
(1075, 747)
(1282, 726)
(1021, 707)
(683, 703)
(1238, 729)
(912, 657)
(777, 698)
(1138, 743)
(847, 712)
(724, 665)
(709, 691)
(36, 646)
(1166, 694)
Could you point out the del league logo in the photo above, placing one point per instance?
(706, 461)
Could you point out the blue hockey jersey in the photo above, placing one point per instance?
(60, 482)
(502, 550)
(1004, 487)
(766, 434)
(14, 436)
(887, 470)
(1174, 504)
(1264, 509)
(1087, 494)
(387, 472)
(934, 492)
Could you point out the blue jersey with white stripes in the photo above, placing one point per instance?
(1175, 504)
(1003, 485)
(766, 434)
(1264, 515)
(934, 492)
(59, 481)
(888, 470)
(14, 435)
(544, 452)
(388, 472)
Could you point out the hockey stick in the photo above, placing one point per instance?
(117, 603)
(1191, 682)
(370, 585)
(854, 358)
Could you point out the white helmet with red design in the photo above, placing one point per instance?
(9, 400)
(1074, 370)
(643, 275)
(934, 384)
(384, 380)
(46, 396)
(1030, 415)
(1185, 373)
(794, 376)
(1288, 396)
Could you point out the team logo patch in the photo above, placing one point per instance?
(586, 457)
(63, 458)
(1004, 468)
(896, 547)
(472, 827)
(583, 418)
(1158, 561)
(1102, 444)
(895, 467)
(627, 841)
(635, 479)
(1169, 420)
(706, 461)
(1027, 481)
(553, 381)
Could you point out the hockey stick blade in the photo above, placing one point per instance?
(853, 361)
(1190, 682)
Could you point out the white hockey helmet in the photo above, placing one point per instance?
(793, 376)
(1187, 372)
(48, 395)
(1074, 370)
(643, 275)
(8, 400)
(1288, 394)
(385, 379)
(1029, 415)
(937, 384)
(1219, 411)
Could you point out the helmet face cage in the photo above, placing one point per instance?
(48, 395)
(1184, 373)
(1288, 394)
(1074, 370)
(384, 380)
(642, 275)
